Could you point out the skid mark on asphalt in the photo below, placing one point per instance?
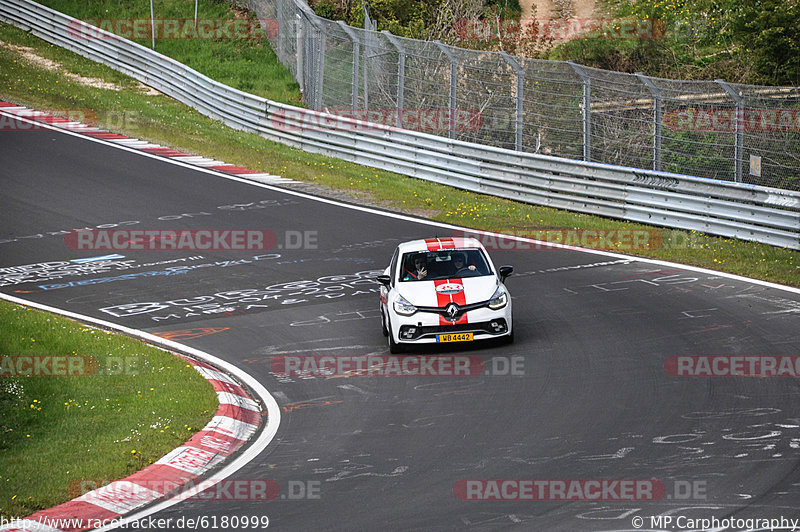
(622, 453)
(781, 304)
(354, 389)
(270, 351)
(574, 267)
(717, 328)
(283, 349)
(190, 334)
(450, 387)
(322, 401)
(447, 385)
(751, 295)
(699, 313)
(426, 421)
(387, 242)
(726, 438)
(617, 286)
(335, 317)
(536, 460)
(485, 518)
(329, 347)
(349, 472)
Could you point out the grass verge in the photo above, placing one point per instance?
(110, 406)
(230, 48)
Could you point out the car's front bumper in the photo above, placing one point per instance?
(425, 327)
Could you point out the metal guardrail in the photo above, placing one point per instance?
(739, 210)
(715, 129)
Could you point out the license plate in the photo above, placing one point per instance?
(454, 337)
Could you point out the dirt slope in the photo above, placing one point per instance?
(548, 8)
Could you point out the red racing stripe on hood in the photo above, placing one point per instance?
(459, 298)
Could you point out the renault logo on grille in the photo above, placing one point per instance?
(452, 311)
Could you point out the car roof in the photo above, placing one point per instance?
(439, 244)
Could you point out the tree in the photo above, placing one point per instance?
(769, 33)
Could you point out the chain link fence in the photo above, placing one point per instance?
(710, 129)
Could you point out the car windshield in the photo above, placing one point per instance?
(445, 264)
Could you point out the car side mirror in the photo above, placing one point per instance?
(385, 280)
(505, 271)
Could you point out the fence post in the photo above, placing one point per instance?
(657, 118)
(520, 117)
(586, 111)
(738, 149)
(401, 74)
(308, 60)
(356, 46)
(281, 29)
(322, 39)
(452, 99)
(365, 76)
(300, 51)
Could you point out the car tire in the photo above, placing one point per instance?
(508, 340)
(394, 347)
(384, 330)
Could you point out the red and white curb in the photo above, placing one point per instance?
(237, 419)
(141, 145)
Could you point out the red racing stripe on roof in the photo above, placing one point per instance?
(436, 244)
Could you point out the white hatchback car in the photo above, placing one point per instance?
(444, 290)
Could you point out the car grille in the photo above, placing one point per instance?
(413, 332)
(462, 309)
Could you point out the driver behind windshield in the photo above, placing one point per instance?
(460, 265)
(417, 269)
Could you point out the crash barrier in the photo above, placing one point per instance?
(716, 129)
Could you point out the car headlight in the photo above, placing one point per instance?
(499, 299)
(403, 307)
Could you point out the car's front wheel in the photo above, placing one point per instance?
(384, 330)
(394, 347)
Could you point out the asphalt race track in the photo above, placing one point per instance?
(590, 398)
